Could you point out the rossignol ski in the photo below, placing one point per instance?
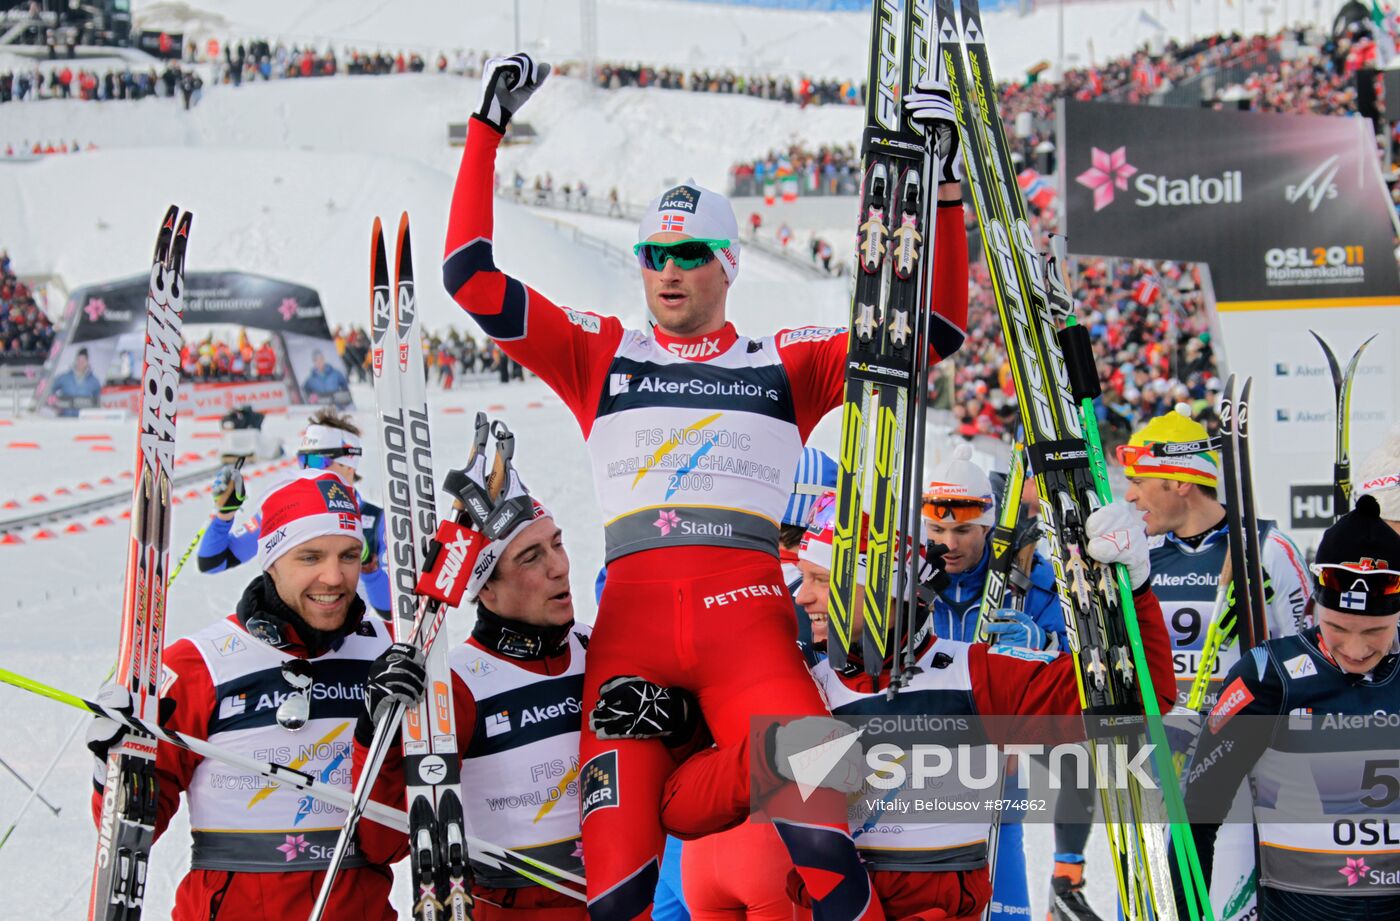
(126, 828)
(1246, 570)
(1064, 452)
(1341, 389)
(431, 763)
(887, 351)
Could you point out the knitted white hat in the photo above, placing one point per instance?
(1379, 475)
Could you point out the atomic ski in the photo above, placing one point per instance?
(127, 825)
(1064, 452)
(887, 350)
(1341, 389)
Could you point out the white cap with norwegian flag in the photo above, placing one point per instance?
(697, 212)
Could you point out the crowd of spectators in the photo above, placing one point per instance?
(25, 330)
(801, 90)
(217, 360)
(1151, 337)
(65, 82)
(797, 169)
(260, 59)
(446, 355)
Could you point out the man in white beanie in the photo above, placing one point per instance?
(1379, 476)
(292, 669)
(694, 432)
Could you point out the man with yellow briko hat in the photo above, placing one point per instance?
(1173, 470)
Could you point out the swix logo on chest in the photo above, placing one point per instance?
(703, 348)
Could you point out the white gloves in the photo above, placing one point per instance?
(931, 105)
(1116, 535)
(793, 757)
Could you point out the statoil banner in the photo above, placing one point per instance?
(1282, 207)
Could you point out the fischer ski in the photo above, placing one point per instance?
(126, 828)
(887, 351)
(1056, 382)
(1341, 388)
(1013, 541)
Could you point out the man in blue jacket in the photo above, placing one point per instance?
(331, 442)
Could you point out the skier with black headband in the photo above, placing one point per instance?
(1309, 718)
(330, 442)
(286, 673)
(694, 431)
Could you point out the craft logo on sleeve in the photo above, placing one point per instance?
(681, 198)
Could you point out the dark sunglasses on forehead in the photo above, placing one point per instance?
(295, 710)
(686, 254)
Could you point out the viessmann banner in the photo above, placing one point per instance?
(1282, 207)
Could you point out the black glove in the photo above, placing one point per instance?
(505, 85)
(634, 708)
(396, 677)
(228, 489)
(933, 575)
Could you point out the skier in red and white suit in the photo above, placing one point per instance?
(283, 677)
(694, 432)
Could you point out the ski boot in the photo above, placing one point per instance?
(1067, 902)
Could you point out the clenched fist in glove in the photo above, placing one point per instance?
(505, 85)
(229, 491)
(790, 753)
(396, 677)
(635, 708)
(1116, 535)
(931, 105)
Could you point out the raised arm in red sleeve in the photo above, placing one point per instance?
(379, 843)
(569, 349)
(188, 684)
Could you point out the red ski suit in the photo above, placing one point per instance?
(694, 446)
(381, 844)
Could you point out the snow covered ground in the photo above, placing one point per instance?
(284, 179)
